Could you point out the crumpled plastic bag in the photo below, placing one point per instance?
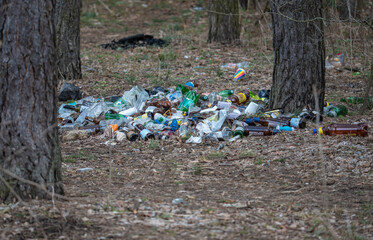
(216, 121)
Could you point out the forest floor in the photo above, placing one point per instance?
(292, 185)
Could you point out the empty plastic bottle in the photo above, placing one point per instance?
(225, 93)
(240, 98)
(190, 100)
(360, 129)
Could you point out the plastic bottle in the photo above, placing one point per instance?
(235, 65)
(294, 122)
(225, 93)
(360, 129)
(274, 122)
(335, 111)
(240, 98)
(285, 128)
(184, 128)
(190, 100)
(259, 131)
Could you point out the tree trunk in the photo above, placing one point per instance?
(244, 4)
(29, 146)
(347, 7)
(67, 19)
(224, 21)
(299, 55)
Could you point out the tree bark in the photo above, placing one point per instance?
(244, 4)
(299, 55)
(224, 21)
(67, 20)
(347, 7)
(29, 146)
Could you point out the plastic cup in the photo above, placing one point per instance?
(240, 73)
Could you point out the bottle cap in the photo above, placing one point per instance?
(256, 119)
(249, 121)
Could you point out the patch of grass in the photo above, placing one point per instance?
(281, 160)
(216, 155)
(247, 154)
(80, 155)
(259, 161)
(165, 216)
(130, 78)
(218, 72)
(179, 182)
(153, 144)
(197, 170)
(86, 19)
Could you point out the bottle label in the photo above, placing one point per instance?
(241, 97)
(256, 133)
(144, 132)
(294, 122)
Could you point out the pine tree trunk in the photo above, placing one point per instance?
(224, 21)
(29, 146)
(67, 19)
(299, 55)
(244, 4)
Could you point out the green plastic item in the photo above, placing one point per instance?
(190, 100)
(335, 111)
(256, 97)
(117, 116)
(225, 93)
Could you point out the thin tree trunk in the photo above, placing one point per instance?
(244, 3)
(299, 55)
(29, 146)
(224, 21)
(67, 19)
(367, 103)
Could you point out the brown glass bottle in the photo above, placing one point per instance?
(360, 129)
(274, 122)
(91, 129)
(259, 131)
(160, 103)
(240, 98)
(94, 120)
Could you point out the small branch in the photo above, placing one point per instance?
(106, 7)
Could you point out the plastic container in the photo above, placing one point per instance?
(360, 129)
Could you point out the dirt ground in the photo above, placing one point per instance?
(294, 185)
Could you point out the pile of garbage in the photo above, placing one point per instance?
(183, 113)
(138, 40)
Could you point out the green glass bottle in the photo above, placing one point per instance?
(225, 93)
(239, 131)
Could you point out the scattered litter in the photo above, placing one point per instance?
(87, 169)
(184, 113)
